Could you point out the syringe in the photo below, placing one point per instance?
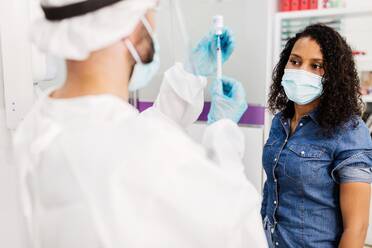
(218, 26)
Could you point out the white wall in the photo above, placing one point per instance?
(15, 58)
(12, 232)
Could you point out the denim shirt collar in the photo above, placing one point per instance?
(313, 116)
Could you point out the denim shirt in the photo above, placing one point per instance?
(301, 205)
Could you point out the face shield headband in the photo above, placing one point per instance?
(76, 9)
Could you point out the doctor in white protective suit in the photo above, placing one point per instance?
(95, 173)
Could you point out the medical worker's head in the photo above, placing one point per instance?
(73, 29)
(317, 65)
(114, 33)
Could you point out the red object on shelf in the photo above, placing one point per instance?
(285, 5)
(324, 4)
(305, 4)
(295, 5)
(355, 53)
(313, 4)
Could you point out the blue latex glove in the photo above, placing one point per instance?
(203, 56)
(228, 100)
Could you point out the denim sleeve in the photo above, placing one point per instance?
(357, 168)
(264, 202)
(353, 157)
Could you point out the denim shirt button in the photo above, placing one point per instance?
(274, 202)
(275, 159)
(301, 124)
(303, 153)
(276, 243)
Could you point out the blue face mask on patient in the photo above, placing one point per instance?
(302, 87)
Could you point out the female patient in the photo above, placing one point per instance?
(318, 158)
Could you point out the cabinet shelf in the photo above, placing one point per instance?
(364, 63)
(323, 13)
(367, 98)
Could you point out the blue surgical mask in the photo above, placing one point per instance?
(143, 73)
(302, 87)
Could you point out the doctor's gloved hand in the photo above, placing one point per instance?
(228, 100)
(203, 57)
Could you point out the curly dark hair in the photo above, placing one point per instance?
(341, 99)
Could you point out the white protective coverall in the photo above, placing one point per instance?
(95, 173)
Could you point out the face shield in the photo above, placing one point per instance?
(175, 36)
(182, 24)
(173, 43)
(179, 25)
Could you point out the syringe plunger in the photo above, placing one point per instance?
(218, 24)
